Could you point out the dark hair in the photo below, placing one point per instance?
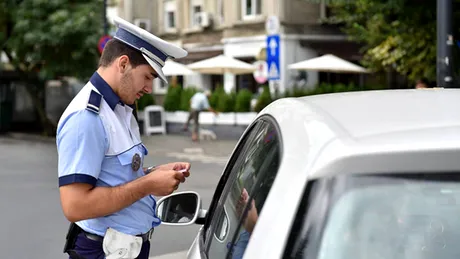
(424, 80)
(428, 83)
(115, 48)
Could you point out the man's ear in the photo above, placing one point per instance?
(123, 63)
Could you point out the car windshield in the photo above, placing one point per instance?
(412, 216)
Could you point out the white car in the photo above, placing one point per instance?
(358, 175)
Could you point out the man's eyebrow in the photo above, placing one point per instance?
(154, 75)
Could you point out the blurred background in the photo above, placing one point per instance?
(49, 49)
(248, 53)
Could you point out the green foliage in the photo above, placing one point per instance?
(54, 37)
(172, 100)
(243, 101)
(214, 99)
(144, 101)
(47, 39)
(325, 88)
(288, 93)
(226, 102)
(264, 99)
(298, 91)
(397, 34)
(186, 95)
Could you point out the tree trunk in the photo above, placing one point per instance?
(49, 127)
(33, 89)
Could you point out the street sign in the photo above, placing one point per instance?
(154, 120)
(273, 57)
(272, 25)
(102, 41)
(261, 72)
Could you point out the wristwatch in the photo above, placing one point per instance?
(149, 169)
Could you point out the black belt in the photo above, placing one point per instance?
(94, 237)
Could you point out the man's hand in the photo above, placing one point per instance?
(252, 214)
(177, 166)
(164, 181)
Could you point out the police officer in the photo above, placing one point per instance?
(105, 191)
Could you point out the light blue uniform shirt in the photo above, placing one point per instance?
(97, 139)
(199, 102)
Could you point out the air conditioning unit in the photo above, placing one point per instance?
(143, 23)
(203, 19)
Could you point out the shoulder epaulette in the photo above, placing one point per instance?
(94, 102)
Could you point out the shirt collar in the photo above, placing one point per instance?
(107, 92)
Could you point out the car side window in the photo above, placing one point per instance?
(245, 192)
(216, 203)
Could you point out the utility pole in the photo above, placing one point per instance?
(104, 17)
(444, 45)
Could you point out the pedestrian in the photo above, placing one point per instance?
(106, 192)
(198, 103)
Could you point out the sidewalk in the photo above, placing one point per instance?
(159, 144)
(178, 143)
(177, 255)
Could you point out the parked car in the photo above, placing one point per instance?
(372, 174)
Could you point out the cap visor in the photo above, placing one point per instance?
(157, 68)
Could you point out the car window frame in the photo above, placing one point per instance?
(251, 197)
(223, 188)
(204, 238)
(302, 227)
(229, 178)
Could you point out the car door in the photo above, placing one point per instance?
(242, 191)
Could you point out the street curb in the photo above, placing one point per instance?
(177, 255)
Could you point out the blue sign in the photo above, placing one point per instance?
(273, 57)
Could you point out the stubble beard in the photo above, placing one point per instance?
(126, 85)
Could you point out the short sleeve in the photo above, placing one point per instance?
(81, 144)
(205, 103)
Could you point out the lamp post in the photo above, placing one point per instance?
(104, 17)
(444, 45)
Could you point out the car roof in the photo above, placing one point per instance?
(357, 130)
(388, 131)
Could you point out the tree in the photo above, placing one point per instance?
(397, 34)
(47, 39)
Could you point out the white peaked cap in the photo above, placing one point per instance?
(155, 50)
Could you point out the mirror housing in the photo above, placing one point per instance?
(180, 209)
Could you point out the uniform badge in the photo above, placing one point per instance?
(136, 163)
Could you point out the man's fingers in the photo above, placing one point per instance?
(183, 166)
(180, 176)
(186, 173)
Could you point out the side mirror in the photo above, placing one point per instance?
(180, 209)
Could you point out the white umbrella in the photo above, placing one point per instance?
(328, 63)
(222, 64)
(172, 68)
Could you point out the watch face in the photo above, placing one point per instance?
(149, 170)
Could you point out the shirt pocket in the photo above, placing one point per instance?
(132, 159)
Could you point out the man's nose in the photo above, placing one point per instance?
(149, 88)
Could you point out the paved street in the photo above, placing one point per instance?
(32, 222)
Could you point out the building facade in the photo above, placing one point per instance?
(236, 28)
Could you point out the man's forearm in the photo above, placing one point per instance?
(102, 201)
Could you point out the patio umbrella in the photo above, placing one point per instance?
(222, 64)
(172, 68)
(328, 63)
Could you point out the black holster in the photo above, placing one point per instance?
(71, 238)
